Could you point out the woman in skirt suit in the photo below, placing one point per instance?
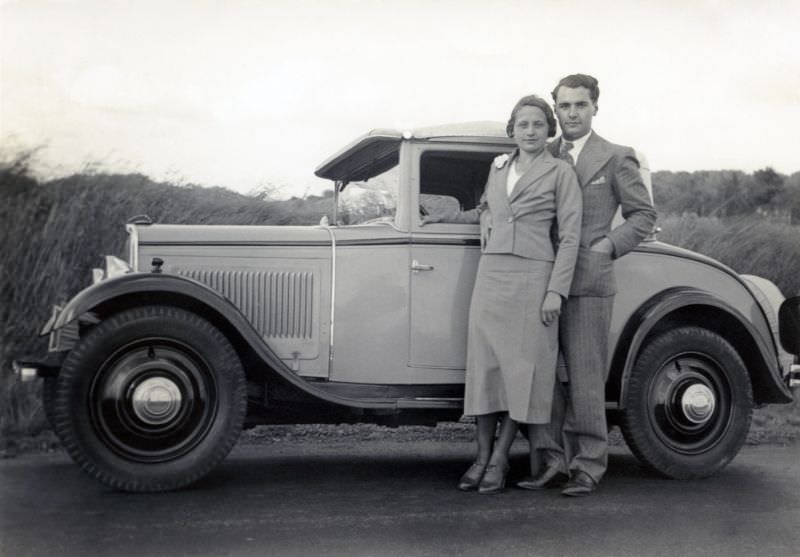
(512, 343)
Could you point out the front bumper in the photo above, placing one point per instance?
(26, 369)
(789, 334)
(793, 377)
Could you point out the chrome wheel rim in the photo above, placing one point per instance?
(156, 400)
(698, 403)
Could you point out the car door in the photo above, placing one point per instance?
(444, 256)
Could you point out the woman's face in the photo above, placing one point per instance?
(530, 129)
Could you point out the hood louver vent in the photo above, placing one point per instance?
(279, 304)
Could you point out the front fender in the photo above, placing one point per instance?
(104, 293)
(136, 283)
(759, 356)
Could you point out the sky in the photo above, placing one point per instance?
(250, 94)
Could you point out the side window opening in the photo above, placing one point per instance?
(452, 181)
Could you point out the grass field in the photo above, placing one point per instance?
(51, 235)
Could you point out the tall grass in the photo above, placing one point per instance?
(750, 245)
(52, 234)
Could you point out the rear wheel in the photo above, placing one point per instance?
(150, 400)
(688, 405)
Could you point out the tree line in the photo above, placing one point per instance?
(728, 193)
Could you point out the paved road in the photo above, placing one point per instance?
(398, 498)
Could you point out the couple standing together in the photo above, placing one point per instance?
(545, 283)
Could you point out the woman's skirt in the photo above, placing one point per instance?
(511, 354)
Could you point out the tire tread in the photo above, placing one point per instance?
(657, 458)
(63, 411)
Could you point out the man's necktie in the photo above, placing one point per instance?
(564, 152)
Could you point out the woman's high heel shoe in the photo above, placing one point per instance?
(472, 477)
(494, 479)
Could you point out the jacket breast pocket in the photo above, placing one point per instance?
(598, 199)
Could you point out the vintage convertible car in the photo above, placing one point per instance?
(156, 367)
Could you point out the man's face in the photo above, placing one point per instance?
(575, 110)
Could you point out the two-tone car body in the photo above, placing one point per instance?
(205, 329)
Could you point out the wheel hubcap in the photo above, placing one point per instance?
(698, 403)
(689, 403)
(156, 400)
(153, 400)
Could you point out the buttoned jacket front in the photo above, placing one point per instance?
(609, 178)
(520, 223)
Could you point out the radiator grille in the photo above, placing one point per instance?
(278, 304)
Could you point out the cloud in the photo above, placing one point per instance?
(110, 87)
(235, 93)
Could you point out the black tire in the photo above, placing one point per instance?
(688, 405)
(150, 400)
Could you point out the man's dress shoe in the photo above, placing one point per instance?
(580, 484)
(547, 479)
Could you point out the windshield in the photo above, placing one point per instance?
(372, 200)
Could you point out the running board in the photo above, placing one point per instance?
(430, 402)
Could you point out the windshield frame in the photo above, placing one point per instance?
(363, 169)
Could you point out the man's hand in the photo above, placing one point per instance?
(551, 308)
(603, 246)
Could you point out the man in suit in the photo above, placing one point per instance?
(575, 443)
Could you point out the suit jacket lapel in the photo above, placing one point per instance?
(593, 157)
(541, 166)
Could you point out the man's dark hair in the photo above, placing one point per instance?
(579, 80)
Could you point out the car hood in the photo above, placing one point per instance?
(181, 234)
(669, 249)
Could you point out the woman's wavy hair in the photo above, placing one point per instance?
(538, 102)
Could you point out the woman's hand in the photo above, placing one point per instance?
(551, 308)
(429, 219)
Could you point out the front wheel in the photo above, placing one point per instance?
(150, 400)
(688, 405)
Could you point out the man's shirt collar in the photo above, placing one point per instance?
(578, 145)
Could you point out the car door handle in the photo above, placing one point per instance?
(417, 266)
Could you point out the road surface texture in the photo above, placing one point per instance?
(378, 497)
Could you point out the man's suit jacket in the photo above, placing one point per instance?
(520, 222)
(609, 178)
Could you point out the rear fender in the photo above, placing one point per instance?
(706, 311)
